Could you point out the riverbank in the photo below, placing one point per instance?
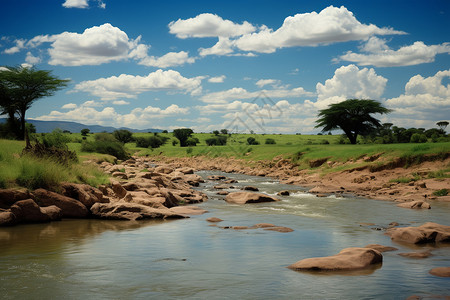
(385, 182)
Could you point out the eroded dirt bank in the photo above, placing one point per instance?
(375, 183)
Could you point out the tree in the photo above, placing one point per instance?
(224, 131)
(216, 132)
(22, 86)
(442, 125)
(352, 116)
(85, 131)
(182, 134)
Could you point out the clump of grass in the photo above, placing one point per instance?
(402, 180)
(442, 192)
(40, 173)
(440, 174)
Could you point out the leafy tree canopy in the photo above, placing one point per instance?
(353, 116)
(182, 134)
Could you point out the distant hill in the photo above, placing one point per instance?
(49, 126)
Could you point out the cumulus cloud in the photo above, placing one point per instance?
(223, 47)
(331, 25)
(378, 54)
(208, 25)
(262, 82)
(425, 98)
(76, 4)
(31, 59)
(239, 93)
(350, 82)
(137, 118)
(170, 59)
(20, 44)
(95, 46)
(129, 86)
(217, 79)
(69, 106)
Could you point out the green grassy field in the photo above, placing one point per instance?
(299, 149)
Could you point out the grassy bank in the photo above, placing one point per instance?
(31, 172)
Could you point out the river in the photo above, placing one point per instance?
(189, 259)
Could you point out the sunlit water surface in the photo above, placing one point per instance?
(188, 258)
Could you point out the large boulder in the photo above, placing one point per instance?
(426, 233)
(118, 189)
(29, 211)
(130, 211)
(441, 272)
(84, 193)
(381, 248)
(7, 218)
(70, 207)
(249, 197)
(10, 196)
(419, 204)
(347, 260)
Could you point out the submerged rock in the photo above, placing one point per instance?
(249, 197)
(441, 272)
(415, 205)
(381, 248)
(346, 260)
(423, 254)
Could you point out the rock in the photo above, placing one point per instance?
(7, 218)
(193, 179)
(381, 248)
(185, 170)
(29, 211)
(163, 169)
(240, 227)
(441, 272)
(264, 225)
(250, 188)
(230, 181)
(249, 197)
(118, 189)
(10, 196)
(188, 210)
(70, 207)
(419, 204)
(140, 197)
(214, 220)
(426, 233)
(216, 177)
(130, 211)
(130, 186)
(283, 193)
(120, 175)
(221, 187)
(84, 193)
(423, 254)
(280, 229)
(393, 224)
(348, 259)
(222, 193)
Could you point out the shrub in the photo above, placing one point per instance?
(123, 135)
(113, 148)
(418, 138)
(189, 150)
(85, 131)
(192, 141)
(36, 174)
(252, 141)
(442, 192)
(153, 141)
(324, 142)
(104, 136)
(56, 139)
(219, 140)
(174, 142)
(270, 142)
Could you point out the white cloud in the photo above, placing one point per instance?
(120, 102)
(425, 98)
(350, 82)
(129, 86)
(208, 25)
(31, 59)
(170, 59)
(241, 94)
(223, 47)
(20, 44)
(69, 106)
(331, 25)
(380, 55)
(95, 46)
(262, 82)
(76, 4)
(217, 79)
(137, 118)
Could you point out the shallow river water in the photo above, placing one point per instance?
(95, 259)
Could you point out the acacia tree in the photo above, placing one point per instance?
(21, 87)
(353, 116)
(182, 134)
(442, 125)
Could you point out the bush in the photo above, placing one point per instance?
(252, 141)
(442, 192)
(418, 138)
(123, 135)
(189, 150)
(55, 139)
(104, 136)
(192, 141)
(113, 148)
(153, 141)
(217, 141)
(270, 142)
(36, 174)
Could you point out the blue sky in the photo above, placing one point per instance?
(266, 66)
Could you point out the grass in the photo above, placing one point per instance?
(30, 172)
(442, 192)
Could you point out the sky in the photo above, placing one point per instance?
(262, 66)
